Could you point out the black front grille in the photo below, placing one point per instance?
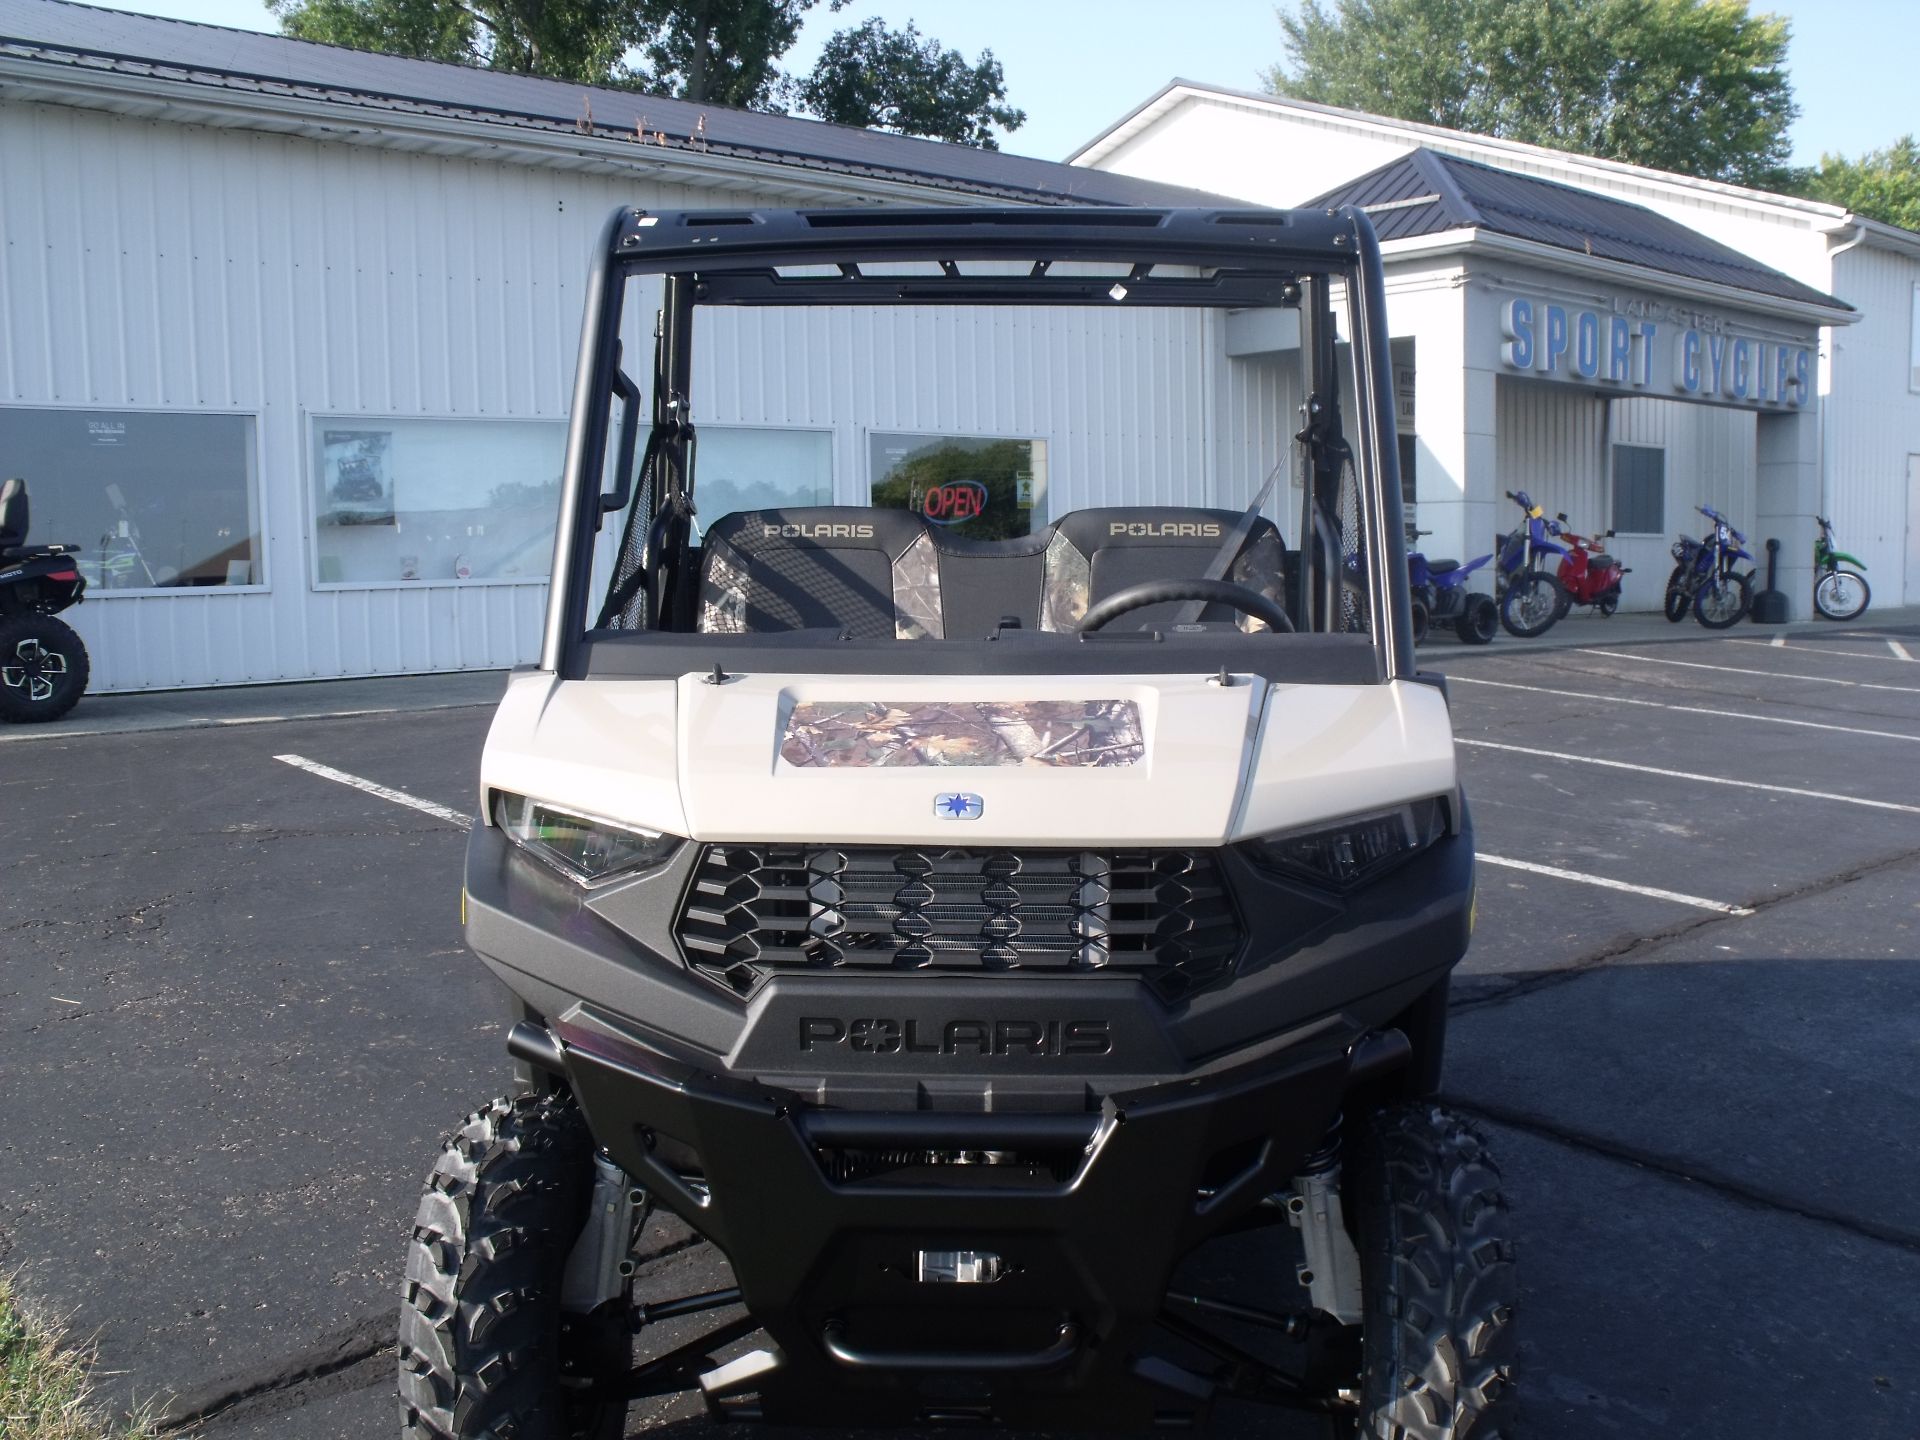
(756, 910)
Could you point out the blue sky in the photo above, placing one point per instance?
(1077, 65)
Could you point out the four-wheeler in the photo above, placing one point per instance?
(43, 665)
(1704, 579)
(1439, 594)
(1531, 601)
(1018, 964)
(1837, 594)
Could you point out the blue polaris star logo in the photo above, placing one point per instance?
(958, 807)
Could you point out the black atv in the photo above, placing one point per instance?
(974, 981)
(43, 665)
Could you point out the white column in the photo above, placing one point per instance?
(1786, 495)
(1455, 345)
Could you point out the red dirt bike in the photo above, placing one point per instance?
(1587, 573)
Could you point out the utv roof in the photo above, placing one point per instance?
(789, 257)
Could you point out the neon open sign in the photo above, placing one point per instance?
(954, 503)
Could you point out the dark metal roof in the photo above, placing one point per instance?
(59, 32)
(1426, 192)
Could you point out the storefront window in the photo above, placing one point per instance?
(1913, 343)
(742, 467)
(155, 500)
(435, 500)
(1639, 489)
(980, 487)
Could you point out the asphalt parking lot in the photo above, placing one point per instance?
(237, 1017)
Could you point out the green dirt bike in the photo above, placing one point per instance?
(1837, 594)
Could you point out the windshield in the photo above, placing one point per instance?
(903, 478)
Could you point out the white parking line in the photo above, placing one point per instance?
(1689, 775)
(1739, 670)
(1455, 678)
(1779, 642)
(1719, 906)
(360, 782)
(1900, 651)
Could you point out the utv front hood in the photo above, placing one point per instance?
(969, 761)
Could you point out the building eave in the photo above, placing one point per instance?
(1815, 215)
(1471, 242)
(165, 92)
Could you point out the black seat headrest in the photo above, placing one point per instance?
(865, 571)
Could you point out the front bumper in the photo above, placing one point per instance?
(810, 1133)
(828, 1260)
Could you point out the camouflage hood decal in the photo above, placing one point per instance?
(867, 733)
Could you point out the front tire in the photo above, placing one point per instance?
(1534, 604)
(1841, 595)
(481, 1351)
(1723, 602)
(1438, 1277)
(1421, 619)
(43, 668)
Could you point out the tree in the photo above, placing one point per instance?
(722, 51)
(1695, 86)
(1882, 184)
(581, 40)
(895, 80)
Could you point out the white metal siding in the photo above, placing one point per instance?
(1554, 442)
(1872, 419)
(153, 264)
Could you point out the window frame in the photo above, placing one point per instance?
(309, 517)
(1913, 343)
(1613, 492)
(869, 478)
(263, 563)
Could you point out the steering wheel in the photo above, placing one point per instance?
(1158, 592)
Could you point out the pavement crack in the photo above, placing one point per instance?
(365, 1339)
(1691, 1173)
(1500, 994)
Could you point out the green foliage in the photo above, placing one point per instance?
(896, 80)
(580, 40)
(1694, 86)
(44, 1394)
(1881, 185)
(722, 51)
(719, 52)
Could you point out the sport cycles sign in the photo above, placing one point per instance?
(1648, 349)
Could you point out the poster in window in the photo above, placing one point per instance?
(357, 483)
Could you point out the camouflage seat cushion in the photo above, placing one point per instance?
(1095, 553)
(867, 571)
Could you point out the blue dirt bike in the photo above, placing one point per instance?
(1532, 600)
(1704, 579)
(1440, 594)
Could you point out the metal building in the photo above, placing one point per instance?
(286, 334)
(1462, 247)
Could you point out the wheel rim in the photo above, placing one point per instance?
(1719, 600)
(32, 668)
(1839, 592)
(1536, 603)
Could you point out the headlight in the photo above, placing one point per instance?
(1346, 854)
(582, 847)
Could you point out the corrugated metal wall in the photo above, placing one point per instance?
(150, 264)
(1873, 417)
(1554, 441)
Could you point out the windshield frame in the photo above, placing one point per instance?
(1246, 258)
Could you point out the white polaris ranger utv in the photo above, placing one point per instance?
(1019, 956)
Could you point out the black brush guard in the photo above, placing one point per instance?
(1073, 1333)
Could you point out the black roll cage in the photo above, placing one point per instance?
(1245, 258)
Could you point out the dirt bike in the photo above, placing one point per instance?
(1837, 594)
(1704, 580)
(1531, 600)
